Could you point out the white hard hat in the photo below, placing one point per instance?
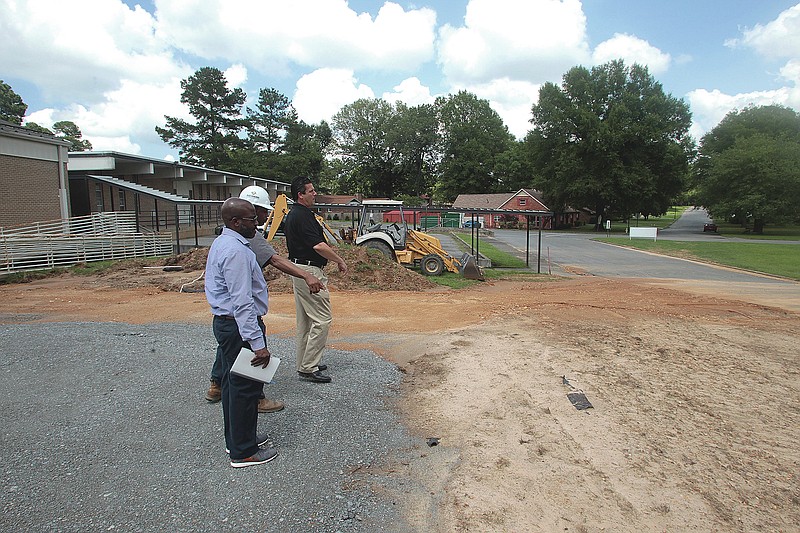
(256, 195)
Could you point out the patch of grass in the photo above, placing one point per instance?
(620, 226)
(456, 281)
(673, 214)
(81, 269)
(776, 259)
(27, 277)
(499, 258)
(511, 274)
(89, 269)
(785, 232)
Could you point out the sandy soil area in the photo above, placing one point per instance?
(694, 424)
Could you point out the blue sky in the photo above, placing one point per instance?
(114, 67)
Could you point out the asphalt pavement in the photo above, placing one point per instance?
(570, 254)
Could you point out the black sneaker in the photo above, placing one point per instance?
(316, 377)
(262, 456)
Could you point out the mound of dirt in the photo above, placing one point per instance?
(368, 270)
(192, 260)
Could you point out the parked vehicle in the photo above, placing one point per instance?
(472, 224)
(710, 227)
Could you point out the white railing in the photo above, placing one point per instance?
(110, 223)
(62, 243)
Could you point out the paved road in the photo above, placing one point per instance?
(689, 227)
(566, 253)
(573, 254)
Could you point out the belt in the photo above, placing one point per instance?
(229, 317)
(309, 263)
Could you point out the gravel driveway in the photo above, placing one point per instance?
(105, 429)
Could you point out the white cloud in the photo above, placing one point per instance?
(322, 93)
(710, 107)
(512, 100)
(791, 71)
(632, 50)
(411, 92)
(532, 40)
(103, 40)
(96, 63)
(309, 33)
(778, 38)
(130, 112)
(235, 75)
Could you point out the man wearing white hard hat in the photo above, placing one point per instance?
(265, 255)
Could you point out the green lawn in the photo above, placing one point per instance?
(663, 221)
(499, 258)
(776, 259)
(771, 233)
(619, 227)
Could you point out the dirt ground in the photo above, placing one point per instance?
(694, 424)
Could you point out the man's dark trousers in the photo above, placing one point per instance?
(239, 395)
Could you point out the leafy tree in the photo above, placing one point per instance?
(610, 139)
(213, 139)
(12, 108)
(304, 149)
(514, 168)
(416, 137)
(473, 136)
(64, 129)
(69, 131)
(363, 133)
(269, 122)
(266, 128)
(383, 149)
(748, 167)
(37, 128)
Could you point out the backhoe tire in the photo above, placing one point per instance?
(380, 246)
(432, 265)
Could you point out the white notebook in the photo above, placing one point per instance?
(242, 367)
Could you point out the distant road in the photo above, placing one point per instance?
(689, 227)
(570, 254)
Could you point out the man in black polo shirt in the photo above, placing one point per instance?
(309, 251)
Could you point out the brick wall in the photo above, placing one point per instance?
(28, 191)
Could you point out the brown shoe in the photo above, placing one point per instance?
(214, 393)
(269, 406)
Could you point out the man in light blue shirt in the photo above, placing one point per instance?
(237, 293)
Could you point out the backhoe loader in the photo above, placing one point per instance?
(395, 240)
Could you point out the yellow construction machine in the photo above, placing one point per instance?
(279, 211)
(395, 240)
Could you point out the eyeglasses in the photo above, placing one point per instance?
(251, 219)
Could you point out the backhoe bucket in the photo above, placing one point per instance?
(469, 268)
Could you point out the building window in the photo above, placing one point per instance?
(122, 205)
(523, 201)
(98, 197)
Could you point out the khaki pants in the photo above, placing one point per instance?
(313, 320)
